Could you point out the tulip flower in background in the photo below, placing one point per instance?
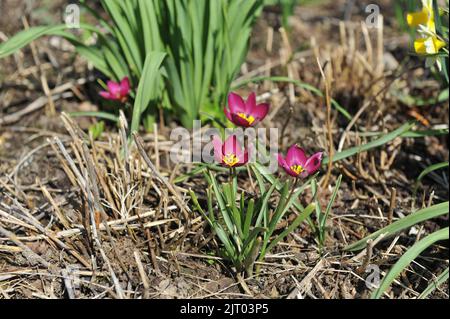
(245, 113)
(229, 153)
(117, 91)
(297, 164)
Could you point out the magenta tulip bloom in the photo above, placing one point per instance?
(117, 91)
(297, 164)
(230, 153)
(245, 114)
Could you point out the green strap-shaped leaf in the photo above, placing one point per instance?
(148, 88)
(407, 258)
(25, 37)
(373, 144)
(300, 218)
(428, 170)
(435, 283)
(404, 223)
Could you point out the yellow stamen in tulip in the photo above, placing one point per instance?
(297, 169)
(250, 119)
(230, 160)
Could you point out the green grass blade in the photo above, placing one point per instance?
(404, 223)
(231, 205)
(25, 37)
(279, 186)
(209, 195)
(259, 179)
(124, 34)
(248, 217)
(101, 115)
(198, 207)
(423, 133)
(263, 205)
(148, 87)
(407, 258)
(251, 256)
(373, 144)
(331, 202)
(255, 231)
(425, 172)
(300, 218)
(222, 205)
(222, 234)
(435, 283)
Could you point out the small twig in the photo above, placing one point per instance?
(64, 221)
(392, 204)
(369, 253)
(244, 285)
(142, 273)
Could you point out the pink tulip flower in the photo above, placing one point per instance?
(297, 164)
(230, 153)
(117, 91)
(245, 113)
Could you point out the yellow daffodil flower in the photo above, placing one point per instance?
(424, 17)
(428, 45)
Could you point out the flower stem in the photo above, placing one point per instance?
(293, 189)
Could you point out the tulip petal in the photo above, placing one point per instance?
(250, 104)
(243, 159)
(313, 163)
(114, 88)
(282, 161)
(232, 146)
(285, 166)
(125, 86)
(260, 111)
(106, 95)
(217, 144)
(228, 114)
(296, 156)
(236, 103)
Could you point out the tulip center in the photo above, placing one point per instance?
(122, 98)
(230, 160)
(250, 119)
(297, 169)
